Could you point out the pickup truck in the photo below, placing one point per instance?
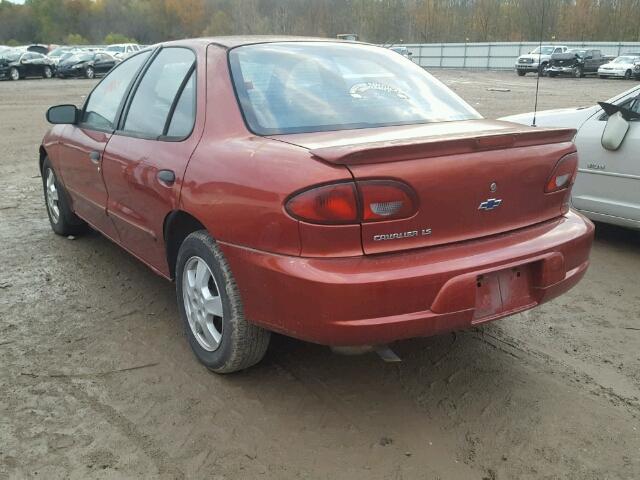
(576, 62)
(537, 60)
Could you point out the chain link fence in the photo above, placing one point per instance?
(497, 55)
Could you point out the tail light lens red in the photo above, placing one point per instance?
(329, 204)
(564, 173)
(346, 203)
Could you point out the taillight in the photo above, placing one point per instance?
(564, 173)
(344, 203)
(329, 204)
(385, 200)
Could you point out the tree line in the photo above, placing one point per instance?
(377, 21)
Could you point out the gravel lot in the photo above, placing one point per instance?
(97, 380)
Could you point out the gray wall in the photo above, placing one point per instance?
(498, 55)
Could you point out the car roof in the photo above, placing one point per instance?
(234, 41)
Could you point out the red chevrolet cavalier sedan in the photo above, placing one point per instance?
(330, 191)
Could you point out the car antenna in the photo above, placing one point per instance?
(535, 107)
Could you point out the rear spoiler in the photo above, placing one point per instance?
(414, 148)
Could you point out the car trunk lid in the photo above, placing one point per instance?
(472, 178)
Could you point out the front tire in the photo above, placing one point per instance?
(542, 70)
(521, 73)
(89, 73)
(14, 74)
(62, 219)
(627, 75)
(47, 72)
(211, 308)
(577, 72)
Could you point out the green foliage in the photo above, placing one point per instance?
(112, 38)
(13, 43)
(75, 39)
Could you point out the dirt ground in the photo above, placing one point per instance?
(97, 379)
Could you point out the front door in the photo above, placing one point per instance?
(81, 155)
(609, 181)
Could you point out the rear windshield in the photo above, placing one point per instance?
(320, 86)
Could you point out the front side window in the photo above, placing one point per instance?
(102, 107)
(319, 86)
(154, 97)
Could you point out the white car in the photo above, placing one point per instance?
(607, 187)
(122, 50)
(537, 60)
(620, 67)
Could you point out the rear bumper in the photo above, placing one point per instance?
(381, 298)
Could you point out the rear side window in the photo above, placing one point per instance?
(102, 107)
(160, 87)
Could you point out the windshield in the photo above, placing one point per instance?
(12, 56)
(624, 60)
(115, 48)
(58, 52)
(545, 50)
(79, 57)
(320, 86)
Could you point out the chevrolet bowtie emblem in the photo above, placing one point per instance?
(490, 204)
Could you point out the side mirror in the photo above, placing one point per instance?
(63, 114)
(614, 132)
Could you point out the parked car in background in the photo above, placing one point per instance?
(16, 64)
(621, 67)
(86, 64)
(355, 207)
(37, 48)
(607, 187)
(122, 50)
(58, 53)
(537, 61)
(636, 70)
(576, 62)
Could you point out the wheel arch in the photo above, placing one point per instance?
(43, 155)
(178, 225)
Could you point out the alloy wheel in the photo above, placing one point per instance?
(52, 196)
(202, 303)
(90, 73)
(15, 75)
(47, 72)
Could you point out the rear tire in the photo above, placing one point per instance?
(62, 219)
(47, 72)
(577, 72)
(211, 308)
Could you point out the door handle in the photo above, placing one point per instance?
(94, 157)
(167, 177)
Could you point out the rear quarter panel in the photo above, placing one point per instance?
(236, 183)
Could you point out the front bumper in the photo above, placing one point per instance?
(376, 299)
(561, 69)
(70, 72)
(527, 67)
(611, 73)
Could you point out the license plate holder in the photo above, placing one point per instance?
(503, 291)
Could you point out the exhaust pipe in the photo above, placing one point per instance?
(383, 351)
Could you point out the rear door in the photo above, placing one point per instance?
(145, 160)
(608, 182)
(81, 151)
